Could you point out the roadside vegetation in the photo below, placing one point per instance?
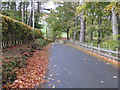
(25, 49)
(87, 22)
(18, 58)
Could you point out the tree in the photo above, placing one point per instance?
(23, 10)
(55, 25)
(82, 31)
(66, 11)
(80, 9)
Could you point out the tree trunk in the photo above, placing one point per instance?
(119, 36)
(82, 32)
(114, 24)
(31, 15)
(67, 33)
(20, 7)
(99, 35)
(15, 7)
(74, 37)
(26, 13)
(91, 33)
(71, 36)
(99, 31)
(23, 11)
(118, 18)
(39, 6)
(91, 36)
(8, 7)
(33, 20)
(37, 17)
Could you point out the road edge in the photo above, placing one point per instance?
(110, 61)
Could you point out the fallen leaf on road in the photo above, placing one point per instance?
(49, 84)
(54, 65)
(115, 77)
(51, 75)
(57, 74)
(69, 72)
(34, 73)
(107, 63)
(58, 81)
(53, 79)
(53, 86)
(102, 81)
(90, 74)
(48, 65)
(49, 78)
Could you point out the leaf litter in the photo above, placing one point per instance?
(34, 73)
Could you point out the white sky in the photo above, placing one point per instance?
(49, 5)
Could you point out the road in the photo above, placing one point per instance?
(72, 68)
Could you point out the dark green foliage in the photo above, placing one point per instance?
(8, 72)
(15, 32)
(39, 26)
(13, 14)
(41, 42)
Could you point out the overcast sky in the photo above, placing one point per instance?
(49, 5)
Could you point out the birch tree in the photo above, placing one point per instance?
(114, 23)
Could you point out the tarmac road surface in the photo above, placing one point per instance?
(72, 68)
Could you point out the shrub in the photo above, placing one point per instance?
(41, 42)
(8, 72)
(15, 32)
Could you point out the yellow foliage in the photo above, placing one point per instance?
(116, 5)
(80, 8)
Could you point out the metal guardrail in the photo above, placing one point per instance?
(104, 52)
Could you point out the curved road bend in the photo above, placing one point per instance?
(72, 68)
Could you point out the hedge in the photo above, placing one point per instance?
(15, 32)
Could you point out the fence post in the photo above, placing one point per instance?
(91, 47)
(86, 46)
(110, 52)
(99, 48)
(117, 53)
